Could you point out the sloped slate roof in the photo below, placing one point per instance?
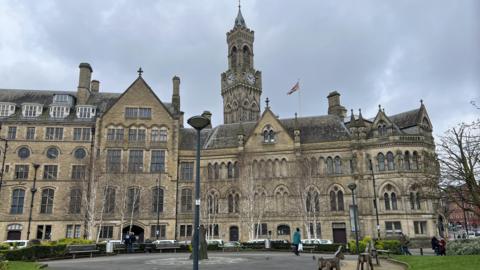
(318, 128)
(406, 119)
(188, 138)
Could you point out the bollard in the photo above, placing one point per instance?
(421, 251)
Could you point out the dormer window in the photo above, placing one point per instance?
(59, 111)
(382, 129)
(268, 134)
(62, 99)
(31, 110)
(7, 109)
(85, 112)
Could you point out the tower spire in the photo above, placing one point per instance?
(240, 21)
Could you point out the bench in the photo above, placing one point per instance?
(384, 251)
(332, 262)
(79, 249)
(310, 248)
(119, 247)
(167, 246)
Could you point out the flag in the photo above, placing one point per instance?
(295, 88)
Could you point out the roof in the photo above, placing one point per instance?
(318, 128)
(406, 119)
(240, 21)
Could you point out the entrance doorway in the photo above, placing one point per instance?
(137, 230)
(234, 233)
(339, 233)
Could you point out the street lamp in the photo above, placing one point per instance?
(3, 160)
(198, 122)
(158, 210)
(33, 190)
(375, 205)
(352, 187)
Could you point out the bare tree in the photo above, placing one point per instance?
(459, 158)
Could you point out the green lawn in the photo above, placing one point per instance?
(467, 262)
(22, 265)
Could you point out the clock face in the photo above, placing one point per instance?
(250, 78)
(230, 78)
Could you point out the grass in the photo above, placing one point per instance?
(466, 262)
(13, 265)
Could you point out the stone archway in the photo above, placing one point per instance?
(137, 230)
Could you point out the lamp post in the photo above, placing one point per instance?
(158, 210)
(33, 190)
(3, 159)
(198, 122)
(352, 187)
(375, 205)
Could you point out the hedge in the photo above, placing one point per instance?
(464, 247)
(391, 245)
(35, 252)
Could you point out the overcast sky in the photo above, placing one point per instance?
(392, 53)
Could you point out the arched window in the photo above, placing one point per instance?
(18, 197)
(46, 206)
(133, 200)
(281, 196)
(109, 204)
(186, 200)
(157, 200)
(236, 171)
(233, 202)
(381, 162)
(333, 201)
(382, 129)
(75, 201)
(390, 161)
(234, 62)
(313, 167)
(284, 168)
(283, 230)
(338, 165)
(312, 202)
(406, 161)
(212, 202)
(230, 171)
(246, 56)
(415, 161)
(216, 170)
(415, 202)
(268, 134)
(329, 166)
(341, 206)
(209, 171)
(394, 201)
(386, 199)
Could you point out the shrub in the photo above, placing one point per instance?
(253, 245)
(214, 246)
(391, 245)
(464, 247)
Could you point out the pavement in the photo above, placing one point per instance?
(217, 260)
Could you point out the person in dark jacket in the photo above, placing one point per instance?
(442, 247)
(435, 245)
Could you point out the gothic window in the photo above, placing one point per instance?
(216, 171)
(382, 129)
(386, 198)
(157, 200)
(338, 165)
(415, 202)
(313, 167)
(390, 198)
(393, 196)
(329, 166)
(406, 161)
(333, 201)
(230, 170)
(381, 162)
(212, 202)
(233, 202)
(336, 200)
(340, 203)
(186, 200)
(281, 196)
(133, 200)
(312, 202)
(109, 204)
(390, 161)
(18, 196)
(414, 162)
(75, 201)
(284, 168)
(246, 56)
(46, 206)
(268, 134)
(233, 63)
(209, 171)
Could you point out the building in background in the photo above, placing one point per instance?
(109, 163)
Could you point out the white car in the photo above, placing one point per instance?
(16, 243)
(164, 242)
(314, 241)
(256, 241)
(218, 242)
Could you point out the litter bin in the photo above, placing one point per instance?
(109, 247)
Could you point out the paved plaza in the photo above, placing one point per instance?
(217, 260)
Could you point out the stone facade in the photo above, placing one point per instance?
(104, 159)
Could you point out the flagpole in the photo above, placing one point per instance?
(299, 101)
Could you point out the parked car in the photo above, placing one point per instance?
(256, 241)
(279, 241)
(218, 242)
(17, 244)
(232, 244)
(316, 241)
(160, 242)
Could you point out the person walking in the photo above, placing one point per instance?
(297, 239)
(132, 241)
(435, 245)
(442, 247)
(404, 242)
(126, 241)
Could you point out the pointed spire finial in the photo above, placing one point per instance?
(360, 114)
(352, 117)
(267, 101)
(379, 107)
(240, 21)
(140, 71)
(421, 101)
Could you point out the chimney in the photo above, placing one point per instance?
(95, 86)
(83, 90)
(334, 106)
(208, 115)
(176, 94)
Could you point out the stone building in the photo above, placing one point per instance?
(107, 163)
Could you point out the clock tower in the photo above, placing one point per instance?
(241, 83)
